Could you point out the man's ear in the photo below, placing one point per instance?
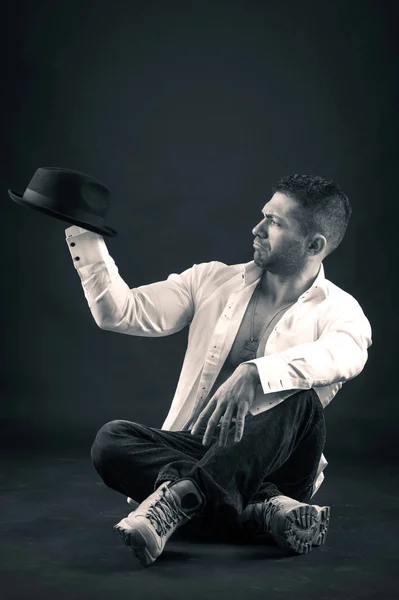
(317, 244)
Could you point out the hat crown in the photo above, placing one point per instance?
(71, 188)
(68, 195)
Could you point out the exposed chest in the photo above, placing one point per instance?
(257, 323)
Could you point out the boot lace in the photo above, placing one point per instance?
(251, 520)
(164, 512)
(269, 510)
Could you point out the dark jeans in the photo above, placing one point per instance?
(279, 453)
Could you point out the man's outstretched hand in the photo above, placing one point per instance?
(234, 398)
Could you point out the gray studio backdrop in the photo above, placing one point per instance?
(189, 112)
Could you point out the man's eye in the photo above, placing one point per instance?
(269, 218)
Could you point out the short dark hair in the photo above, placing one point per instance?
(327, 209)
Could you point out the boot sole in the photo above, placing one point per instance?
(303, 527)
(137, 544)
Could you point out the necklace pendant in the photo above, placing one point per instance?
(249, 350)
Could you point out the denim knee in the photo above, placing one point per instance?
(104, 444)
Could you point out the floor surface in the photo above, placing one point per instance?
(57, 541)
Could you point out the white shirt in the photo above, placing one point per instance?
(320, 342)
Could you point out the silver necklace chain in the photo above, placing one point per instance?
(258, 337)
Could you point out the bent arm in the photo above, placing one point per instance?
(338, 355)
(153, 310)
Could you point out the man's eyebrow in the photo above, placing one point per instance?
(273, 215)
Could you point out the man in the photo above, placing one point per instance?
(270, 343)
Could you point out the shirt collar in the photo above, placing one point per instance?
(251, 272)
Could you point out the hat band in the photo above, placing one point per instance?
(32, 196)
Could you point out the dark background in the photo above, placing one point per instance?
(189, 112)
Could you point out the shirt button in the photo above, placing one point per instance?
(73, 244)
(77, 257)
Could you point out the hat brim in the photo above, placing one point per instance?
(62, 217)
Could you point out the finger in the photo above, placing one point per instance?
(204, 416)
(240, 420)
(226, 422)
(213, 423)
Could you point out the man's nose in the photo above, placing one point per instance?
(260, 230)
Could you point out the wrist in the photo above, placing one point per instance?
(251, 372)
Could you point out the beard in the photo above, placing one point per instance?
(288, 259)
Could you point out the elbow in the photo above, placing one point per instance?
(363, 355)
(108, 326)
(100, 323)
(352, 357)
(103, 323)
(362, 361)
(107, 317)
(356, 367)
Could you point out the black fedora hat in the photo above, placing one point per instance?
(68, 195)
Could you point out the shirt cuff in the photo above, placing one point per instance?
(274, 374)
(85, 247)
